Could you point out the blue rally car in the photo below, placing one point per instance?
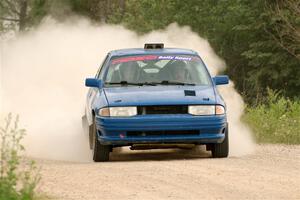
(155, 95)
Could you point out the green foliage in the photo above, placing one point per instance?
(18, 176)
(39, 9)
(108, 11)
(147, 15)
(258, 39)
(275, 121)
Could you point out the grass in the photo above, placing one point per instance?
(275, 121)
(18, 175)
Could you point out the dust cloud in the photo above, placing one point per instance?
(43, 73)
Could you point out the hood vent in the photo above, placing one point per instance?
(189, 93)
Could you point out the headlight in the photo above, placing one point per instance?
(206, 110)
(118, 111)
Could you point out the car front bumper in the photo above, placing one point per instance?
(117, 131)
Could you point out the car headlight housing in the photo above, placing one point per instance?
(206, 110)
(118, 111)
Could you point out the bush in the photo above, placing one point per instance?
(277, 120)
(18, 176)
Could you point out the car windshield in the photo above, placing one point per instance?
(157, 69)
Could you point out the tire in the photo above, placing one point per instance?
(100, 152)
(91, 136)
(86, 129)
(220, 150)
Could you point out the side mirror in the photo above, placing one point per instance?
(93, 82)
(221, 80)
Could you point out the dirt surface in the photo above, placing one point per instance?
(272, 172)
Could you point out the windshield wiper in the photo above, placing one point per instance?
(165, 82)
(149, 83)
(123, 83)
(130, 83)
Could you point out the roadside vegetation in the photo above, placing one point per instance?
(258, 39)
(18, 175)
(277, 120)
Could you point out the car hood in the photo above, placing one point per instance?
(159, 95)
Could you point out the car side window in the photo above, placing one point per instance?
(101, 70)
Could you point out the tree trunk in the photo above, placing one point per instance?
(122, 6)
(23, 14)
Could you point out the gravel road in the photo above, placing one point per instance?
(272, 172)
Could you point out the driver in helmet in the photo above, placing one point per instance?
(179, 72)
(129, 71)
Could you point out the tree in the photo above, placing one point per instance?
(286, 17)
(106, 11)
(259, 40)
(14, 12)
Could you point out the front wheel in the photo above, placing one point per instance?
(100, 152)
(221, 150)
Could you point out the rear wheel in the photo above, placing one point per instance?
(220, 150)
(100, 152)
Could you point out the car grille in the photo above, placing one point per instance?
(177, 109)
(162, 133)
